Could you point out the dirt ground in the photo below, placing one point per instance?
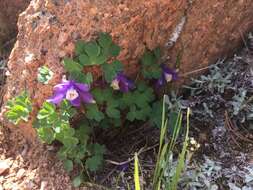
(29, 167)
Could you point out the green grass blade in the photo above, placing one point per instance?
(181, 161)
(136, 173)
(176, 131)
(161, 143)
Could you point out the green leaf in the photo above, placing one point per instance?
(150, 67)
(62, 153)
(113, 112)
(105, 40)
(88, 78)
(144, 95)
(93, 112)
(105, 123)
(98, 95)
(80, 47)
(156, 114)
(98, 149)
(148, 58)
(71, 66)
(143, 113)
(103, 95)
(66, 110)
(114, 50)
(111, 70)
(18, 108)
(70, 141)
(94, 163)
(92, 49)
(157, 53)
(44, 74)
(81, 77)
(78, 180)
(80, 153)
(47, 110)
(97, 52)
(111, 109)
(101, 59)
(68, 165)
(152, 72)
(46, 134)
(84, 60)
(82, 133)
(138, 102)
(117, 122)
(131, 115)
(127, 100)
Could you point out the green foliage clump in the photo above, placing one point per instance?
(53, 124)
(19, 108)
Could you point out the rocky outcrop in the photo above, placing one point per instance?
(10, 9)
(193, 33)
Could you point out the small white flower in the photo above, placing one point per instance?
(193, 141)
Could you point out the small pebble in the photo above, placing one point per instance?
(43, 185)
(30, 185)
(20, 173)
(4, 166)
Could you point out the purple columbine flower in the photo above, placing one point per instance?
(120, 82)
(168, 75)
(72, 91)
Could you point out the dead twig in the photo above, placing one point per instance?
(194, 71)
(142, 150)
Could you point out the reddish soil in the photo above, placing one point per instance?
(30, 167)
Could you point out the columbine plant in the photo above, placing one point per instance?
(112, 100)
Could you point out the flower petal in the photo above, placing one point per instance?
(87, 97)
(76, 102)
(57, 98)
(82, 87)
(123, 87)
(62, 87)
(160, 82)
(115, 84)
(124, 84)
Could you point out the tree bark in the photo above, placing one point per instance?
(193, 33)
